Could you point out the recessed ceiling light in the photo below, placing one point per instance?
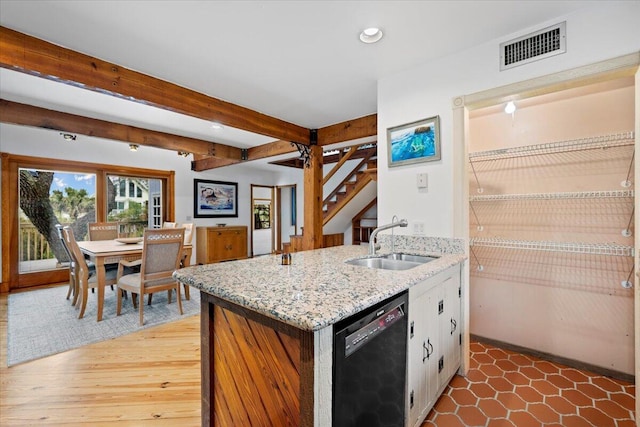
(133, 147)
(371, 35)
(216, 126)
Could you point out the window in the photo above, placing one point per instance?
(132, 211)
(123, 189)
(156, 211)
(73, 193)
(51, 197)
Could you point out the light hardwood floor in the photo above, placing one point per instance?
(151, 377)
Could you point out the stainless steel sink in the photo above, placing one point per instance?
(421, 259)
(383, 263)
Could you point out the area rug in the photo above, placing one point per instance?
(43, 322)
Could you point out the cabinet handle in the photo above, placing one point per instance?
(428, 348)
(454, 325)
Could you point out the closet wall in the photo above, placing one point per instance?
(551, 206)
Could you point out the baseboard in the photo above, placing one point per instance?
(557, 359)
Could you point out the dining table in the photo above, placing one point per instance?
(104, 252)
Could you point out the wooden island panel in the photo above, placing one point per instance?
(255, 370)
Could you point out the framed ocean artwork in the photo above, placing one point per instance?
(414, 142)
(214, 199)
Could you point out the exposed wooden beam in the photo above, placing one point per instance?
(352, 129)
(28, 115)
(312, 234)
(272, 149)
(254, 153)
(333, 158)
(349, 130)
(206, 163)
(30, 55)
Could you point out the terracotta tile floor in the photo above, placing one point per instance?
(504, 388)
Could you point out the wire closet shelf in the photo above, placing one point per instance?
(610, 249)
(604, 194)
(597, 142)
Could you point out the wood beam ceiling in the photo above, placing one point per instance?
(20, 52)
(27, 115)
(332, 158)
(362, 127)
(346, 131)
(30, 55)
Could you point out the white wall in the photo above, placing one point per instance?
(602, 31)
(35, 142)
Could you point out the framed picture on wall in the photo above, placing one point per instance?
(215, 199)
(414, 142)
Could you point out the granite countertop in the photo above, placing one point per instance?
(316, 290)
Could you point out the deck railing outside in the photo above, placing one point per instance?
(34, 246)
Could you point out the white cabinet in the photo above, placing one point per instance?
(434, 344)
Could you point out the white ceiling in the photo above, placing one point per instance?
(300, 61)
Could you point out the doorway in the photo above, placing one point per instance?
(262, 224)
(463, 110)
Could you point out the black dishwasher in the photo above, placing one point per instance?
(369, 366)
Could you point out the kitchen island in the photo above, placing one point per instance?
(267, 330)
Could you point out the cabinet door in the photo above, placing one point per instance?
(217, 245)
(449, 329)
(421, 370)
(237, 244)
(453, 296)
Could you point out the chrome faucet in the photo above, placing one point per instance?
(372, 245)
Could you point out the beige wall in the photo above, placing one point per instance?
(570, 305)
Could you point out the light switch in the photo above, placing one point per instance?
(422, 180)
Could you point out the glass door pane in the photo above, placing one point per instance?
(47, 198)
(135, 202)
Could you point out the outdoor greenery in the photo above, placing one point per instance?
(72, 202)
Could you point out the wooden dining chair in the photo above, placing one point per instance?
(82, 274)
(188, 232)
(161, 256)
(188, 238)
(73, 284)
(103, 230)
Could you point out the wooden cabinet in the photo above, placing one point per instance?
(434, 346)
(215, 244)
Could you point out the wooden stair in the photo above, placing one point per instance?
(353, 183)
(359, 233)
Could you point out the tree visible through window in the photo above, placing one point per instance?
(47, 198)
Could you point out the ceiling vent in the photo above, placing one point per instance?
(532, 47)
